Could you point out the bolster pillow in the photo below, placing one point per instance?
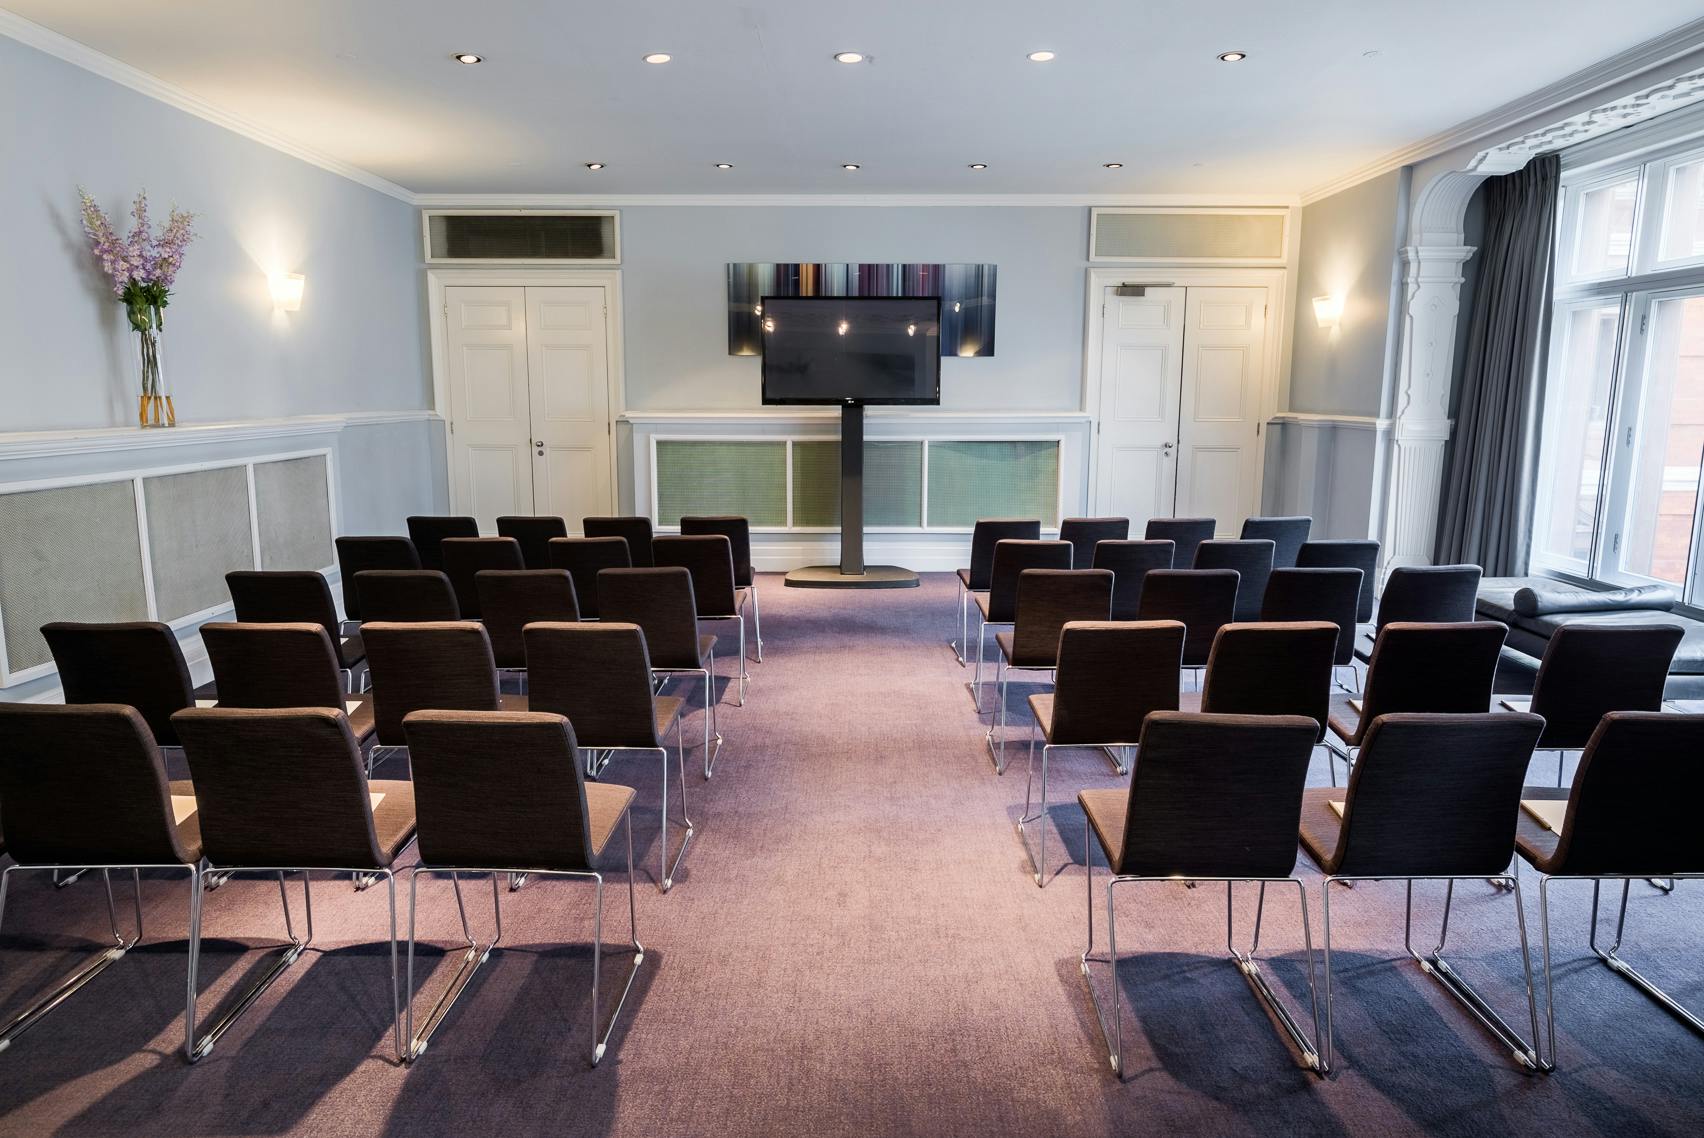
(1548, 599)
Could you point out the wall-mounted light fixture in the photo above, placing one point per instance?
(1328, 310)
(287, 291)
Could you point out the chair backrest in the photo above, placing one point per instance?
(584, 557)
(428, 532)
(1085, 533)
(990, 532)
(1253, 562)
(499, 789)
(440, 664)
(511, 599)
(464, 557)
(1130, 562)
(1184, 533)
(274, 665)
(660, 601)
(280, 596)
(1203, 600)
(1591, 670)
(709, 558)
(733, 527)
(1271, 669)
(137, 663)
(358, 554)
(599, 676)
(1111, 675)
(534, 535)
(395, 595)
(1435, 795)
(1287, 534)
(1435, 594)
(1317, 594)
(635, 531)
(1634, 805)
(1216, 795)
(1011, 558)
(1446, 668)
(284, 787)
(85, 785)
(1346, 554)
(1048, 600)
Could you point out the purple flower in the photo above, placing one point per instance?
(140, 263)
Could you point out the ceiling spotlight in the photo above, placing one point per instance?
(467, 57)
(724, 165)
(594, 165)
(658, 57)
(849, 165)
(979, 165)
(848, 57)
(1232, 56)
(1113, 165)
(1039, 56)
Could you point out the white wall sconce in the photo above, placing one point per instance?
(1328, 310)
(287, 291)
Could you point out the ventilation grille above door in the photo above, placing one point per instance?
(535, 237)
(1189, 236)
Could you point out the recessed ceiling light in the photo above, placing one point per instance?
(594, 165)
(724, 165)
(848, 57)
(1232, 56)
(979, 165)
(1113, 165)
(1039, 56)
(658, 57)
(849, 165)
(467, 57)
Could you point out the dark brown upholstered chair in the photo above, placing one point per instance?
(359, 554)
(500, 792)
(1253, 562)
(465, 557)
(584, 558)
(1591, 670)
(402, 595)
(1287, 534)
(1110, 676)
(999, 605)
(428, 532)
(283, 790)
(84, 787)
(738, 532)
(633, 530)
(1317, 594)
(1203, 599)
(984, 536)
(1433, 797)
(659, 600)
(1184, 533)
(1213, 798)
(534, 535)
(445, 665)
(1048, 600)
(1430, 594)
(1085, 533)
(598, 675)
(709, 558)
(138, 663)
(1336, 554)
(1632, 812)
(511, 599)
(293, 597)
(1130, 562)
(282, 665)
(1268, 668)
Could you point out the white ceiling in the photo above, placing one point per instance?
(1328, 86)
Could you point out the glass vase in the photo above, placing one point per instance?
(154, 404)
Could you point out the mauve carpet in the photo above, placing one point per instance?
(854, 946)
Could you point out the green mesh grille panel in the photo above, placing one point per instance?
(893, 484)
(970, 480)
(745, 478)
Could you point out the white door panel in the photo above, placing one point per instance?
(569, 369)
(1218, 430)
(1141, 353)
(489, 402)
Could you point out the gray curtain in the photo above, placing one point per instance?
(1485, 515)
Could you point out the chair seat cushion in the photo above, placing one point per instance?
(1343, 720)
(361, 721)
(189, 830)
(508, 702)
(964, 577)
(350, 650)
(606, 803)
(1006, 643)
(1107, 810)
(668, 710)
(1532, 840)
(705, 644)
(1041, 706)
(393, 818)
(1321, 827)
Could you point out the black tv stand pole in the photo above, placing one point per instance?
(852, 573)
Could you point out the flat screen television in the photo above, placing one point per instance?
(851, 349)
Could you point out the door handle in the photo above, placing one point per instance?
(1165, 446)
(540, 445)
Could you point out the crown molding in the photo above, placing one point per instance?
(1605, 73)
(587, 201)
(50, 42)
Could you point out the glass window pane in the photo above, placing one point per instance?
(747, 478)
(1683, 214)
(1603, 229)
(1663, 491)
(1577, 418)
(971, 480)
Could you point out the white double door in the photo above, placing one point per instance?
(1178, 421)
(529, 402)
